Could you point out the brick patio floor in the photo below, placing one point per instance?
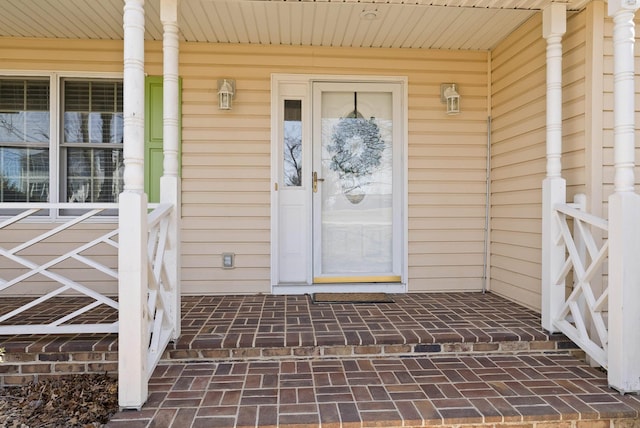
(450, 360)
(519, 390)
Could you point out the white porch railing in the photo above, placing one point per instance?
(161, 311)
(21, 220)
(583, 316)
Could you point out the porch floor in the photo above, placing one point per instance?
(451, 359)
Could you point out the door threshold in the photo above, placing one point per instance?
(364, 287)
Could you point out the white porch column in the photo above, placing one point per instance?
(624, 212)
(554, 24)
(133, 339)
(170, 183)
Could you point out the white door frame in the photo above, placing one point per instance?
(300, 86)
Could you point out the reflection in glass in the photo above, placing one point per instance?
(94, 175)
(292, 144)
(93, 128)
(25, 174)
(93, 119)
(24, 140)
(357, 199)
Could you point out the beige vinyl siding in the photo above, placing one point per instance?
(518, 72)
(226, 154)
(518, 150)
(574, 144)
(226, 161)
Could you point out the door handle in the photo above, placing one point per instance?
(315, 181)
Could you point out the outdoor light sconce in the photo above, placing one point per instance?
(450, 96)
(226, 92)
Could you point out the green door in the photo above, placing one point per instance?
(153, 135)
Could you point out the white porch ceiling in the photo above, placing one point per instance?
(427, 24)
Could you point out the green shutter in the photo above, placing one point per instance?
(153, 136)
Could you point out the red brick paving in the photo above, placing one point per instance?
(450, 359)
(385, 391)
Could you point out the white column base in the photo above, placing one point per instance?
(133, 339)
(624, 292)
(554, 191)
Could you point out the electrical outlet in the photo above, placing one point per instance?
(228, 260)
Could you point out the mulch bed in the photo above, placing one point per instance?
(83, 400)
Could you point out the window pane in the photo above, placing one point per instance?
(24, 111)
(93, 112)
(24, 140)
(76, 127)
(12, 127)
(93, 117)
(292, 144)
(37, 127)
(94, 175)
(25, 174)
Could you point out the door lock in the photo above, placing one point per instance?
(315, 181)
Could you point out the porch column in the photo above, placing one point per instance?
(624, 212)
(554, 25)
(133, 338)
(170, 183)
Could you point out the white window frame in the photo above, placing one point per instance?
(56, 112)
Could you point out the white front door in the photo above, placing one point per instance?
(338, 197)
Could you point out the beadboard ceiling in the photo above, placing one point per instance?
(426, 24)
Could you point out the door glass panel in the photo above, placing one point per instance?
(292, 144)
(356, 192)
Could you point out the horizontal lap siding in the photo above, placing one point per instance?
(518, 150)
(518, 162)
(226, 160)
(226, 154)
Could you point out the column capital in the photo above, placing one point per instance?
(616, 6)
(554, 20)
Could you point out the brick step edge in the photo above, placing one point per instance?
(439, 349)
(21, 368)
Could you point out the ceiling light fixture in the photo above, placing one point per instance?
(369, 15)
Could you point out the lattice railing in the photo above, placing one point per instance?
(31, 260)
(161, 310)
(583, 317)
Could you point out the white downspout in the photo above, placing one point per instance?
(487, 213)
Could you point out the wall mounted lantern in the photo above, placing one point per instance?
(450, 96)
(226, 92)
